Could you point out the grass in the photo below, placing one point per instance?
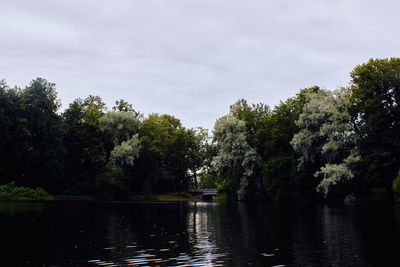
(170, 197)
(70, 197)
(220, 198)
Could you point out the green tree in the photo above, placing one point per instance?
(253, 115)
(198, 141)
(236, 159)
(164, 160)
(31, 147)
(279, 162)
(122, 105)
(375, 96)
(122, 129)
(46, 133)
(86, 145)
(13, 130)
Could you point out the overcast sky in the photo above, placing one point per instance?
(192, 58)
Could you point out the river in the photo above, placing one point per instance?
(78, 233)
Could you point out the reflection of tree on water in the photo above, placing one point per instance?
(201, 232)
(11, 208)
(171, 234)
(328, 236)
(341, 234)
(150, 232)
(252, 234)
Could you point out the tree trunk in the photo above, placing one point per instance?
(195, 179)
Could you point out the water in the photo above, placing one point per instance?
(195, 234)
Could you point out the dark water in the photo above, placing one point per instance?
(196, 234)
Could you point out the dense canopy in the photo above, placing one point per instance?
(317, 144)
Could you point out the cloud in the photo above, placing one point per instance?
(192, 59)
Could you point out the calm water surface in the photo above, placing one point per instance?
(196, 234)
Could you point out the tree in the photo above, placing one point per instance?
(31, 146)
(198, 142)
(164, 159)
(328, 138)
(122, 129)
(119, 126)
(46, 133)
(13, 130)
(236, 159)
(375, 94)
(253, 116)
(281, 177)
(86, 145)
(125, 153)
(122, 105)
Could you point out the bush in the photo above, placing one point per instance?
(111, 185)
(379, 196)
(12, 192)
(396, 187)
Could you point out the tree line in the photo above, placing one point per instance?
(317, 144)
(89, 150)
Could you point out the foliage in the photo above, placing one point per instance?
(207, 181)
(396, 187)
(252, 115)
(125, 153)
(121, 129)
(119, 126)
(220, 198)
(379, 196)
(111, 184)
(165, 155)
(123, 106)
(11, 192)
(31, 147)
(328, 138)
(86, 145)
(375, 94)
(349, 139)
(199, 153)
(236, 159)
(281, 177)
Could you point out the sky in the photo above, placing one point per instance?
(192, 58)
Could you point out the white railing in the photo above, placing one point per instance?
(207, 192)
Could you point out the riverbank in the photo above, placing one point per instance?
(174, 197)
(170, 197)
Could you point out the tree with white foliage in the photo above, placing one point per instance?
(328, 138)
(236, 159)
(125, 153)
(121, 127)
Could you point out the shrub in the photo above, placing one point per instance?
(396, 187)
(111, 185)
(12, 192)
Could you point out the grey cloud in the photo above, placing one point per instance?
(193, 58)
